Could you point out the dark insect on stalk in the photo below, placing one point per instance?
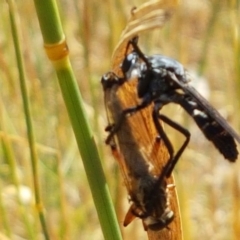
(160, 79)
(140, 155)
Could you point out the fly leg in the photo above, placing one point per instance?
(172, 158)
(115, 127)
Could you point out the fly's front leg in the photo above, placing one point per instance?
(172, 158)
(164, 137)
(113, 129)
(173, 161)
(134, 43)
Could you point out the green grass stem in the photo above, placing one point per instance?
(28, 118)
(52, 34)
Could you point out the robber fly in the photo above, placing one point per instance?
(138, 153)
(159, 80)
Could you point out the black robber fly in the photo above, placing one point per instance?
(160, 80)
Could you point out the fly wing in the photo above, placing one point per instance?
(110, 104)
(142, 128)
(212, 124)
(206, 106)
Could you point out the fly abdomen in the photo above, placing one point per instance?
(212, 130)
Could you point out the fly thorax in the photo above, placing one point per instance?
(159, 83)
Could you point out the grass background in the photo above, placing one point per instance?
(203, 35)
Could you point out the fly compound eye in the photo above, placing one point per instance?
(129, 61)
(130, 65)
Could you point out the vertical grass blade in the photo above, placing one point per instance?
(57, 52)
(26, 106)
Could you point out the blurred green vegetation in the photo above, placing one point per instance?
(202, 34)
